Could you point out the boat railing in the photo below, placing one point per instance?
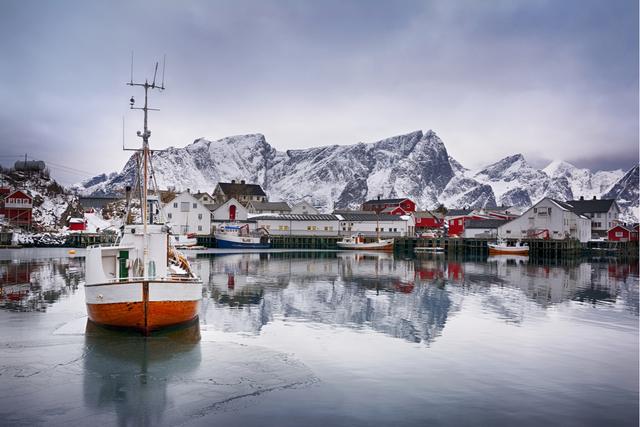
(154, 279)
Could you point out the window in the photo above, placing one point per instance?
(618, 233)
(184, 207)
(199, 216)
(199, 228)
(169, 215)
(195, 205)
(175, 204)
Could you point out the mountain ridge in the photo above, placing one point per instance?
(415, 165)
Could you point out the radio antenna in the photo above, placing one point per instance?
(153, 85)
(164, 62)
(131, 80)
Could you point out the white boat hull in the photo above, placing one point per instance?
(381, 245)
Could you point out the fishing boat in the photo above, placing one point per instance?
(142, 281)
(357, 242)
(238, 236)
(503, 247)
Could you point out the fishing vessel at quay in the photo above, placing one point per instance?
(142, 281)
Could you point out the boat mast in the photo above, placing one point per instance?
(145, 134)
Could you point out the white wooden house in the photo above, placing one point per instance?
(187, 214)
(303, 208)
(229, 211)
(604, 214)
(549, 217)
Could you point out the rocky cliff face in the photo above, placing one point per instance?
(414, 165)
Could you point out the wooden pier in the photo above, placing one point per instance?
(538, 248)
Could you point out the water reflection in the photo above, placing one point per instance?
(33, 285)
(408, 298)
(130, 374)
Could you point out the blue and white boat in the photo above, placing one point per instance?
(236, 236)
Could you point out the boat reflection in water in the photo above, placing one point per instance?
(131, 375)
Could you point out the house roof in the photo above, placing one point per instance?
(369, 217)
(374, 201)
(167, 196)
(213, 206)
(273, 206)
(25, 192)
(391, 209)
(229, 188)
(623, 226)
(458, 212)
(350, 211)
(299, 217)
(427, 214)
(484, 223)
(200, 195)
(566, 206)
(589, 206)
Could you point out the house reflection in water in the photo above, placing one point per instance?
(33, 285)
(405, 298)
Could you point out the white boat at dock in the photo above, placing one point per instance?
(505, 248)
(357, 242)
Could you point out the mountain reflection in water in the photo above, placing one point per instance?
(409, 298)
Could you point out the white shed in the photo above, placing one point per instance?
(368, 224)
(299, 225)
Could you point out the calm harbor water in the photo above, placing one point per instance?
(326, 338)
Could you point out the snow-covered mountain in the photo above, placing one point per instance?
(414, 165)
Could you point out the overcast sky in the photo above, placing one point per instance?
(549, 79)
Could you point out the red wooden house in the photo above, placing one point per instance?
(17, 208)
(428, 220)
(77, 224)
(378, 205)
(622, 233)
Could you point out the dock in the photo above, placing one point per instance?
(537, 247)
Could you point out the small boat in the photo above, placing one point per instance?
(357, 242)
(236, 236)
(437, 249)
(141, 281)
(502, 247)
(184, 240)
